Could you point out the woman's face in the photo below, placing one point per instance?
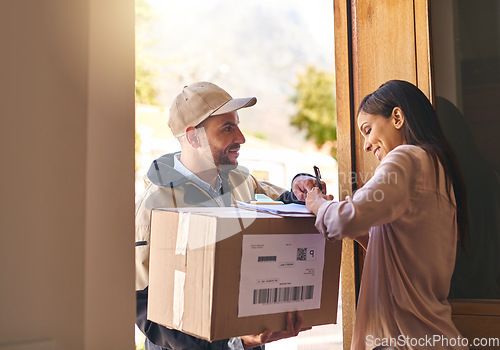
(381, 134)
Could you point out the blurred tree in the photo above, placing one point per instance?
(145, 70)
(315, 101)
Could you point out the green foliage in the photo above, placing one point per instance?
(137, 146)
(145, 92)
(260, 135)
(145, 71)
(315, 101)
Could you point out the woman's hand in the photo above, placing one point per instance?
(315, 198)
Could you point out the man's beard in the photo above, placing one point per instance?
(222, 160)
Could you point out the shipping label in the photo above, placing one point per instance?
(280, 273)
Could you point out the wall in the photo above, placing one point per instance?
(67, 163)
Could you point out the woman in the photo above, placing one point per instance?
(407, 217)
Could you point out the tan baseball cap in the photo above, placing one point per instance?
(199, 101)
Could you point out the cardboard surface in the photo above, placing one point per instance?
(195, 271)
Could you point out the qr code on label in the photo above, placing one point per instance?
(301, 254)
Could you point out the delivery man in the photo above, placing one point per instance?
(205, 120)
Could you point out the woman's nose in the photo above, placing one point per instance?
(367, 146)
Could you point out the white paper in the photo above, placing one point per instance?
(292, 209)
(280, 273)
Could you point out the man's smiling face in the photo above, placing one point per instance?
(224, 138)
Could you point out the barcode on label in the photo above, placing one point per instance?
(282, 295)
(266, 258)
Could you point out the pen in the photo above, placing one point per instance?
(318, 178)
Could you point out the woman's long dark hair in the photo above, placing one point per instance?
(421, 128)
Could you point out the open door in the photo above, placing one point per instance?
(380, 40)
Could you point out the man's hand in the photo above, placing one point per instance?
(315, 198)
(303, 184)
(251, 341)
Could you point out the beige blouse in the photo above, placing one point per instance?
(410, 255)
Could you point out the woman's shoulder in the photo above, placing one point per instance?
(406, 158)
(405, 152)
(411, 153)
(409, 149)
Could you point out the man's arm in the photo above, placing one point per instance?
(176, 340)
(301, 183)
(170, 338)
(288, 197)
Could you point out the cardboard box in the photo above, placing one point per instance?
(197, 256)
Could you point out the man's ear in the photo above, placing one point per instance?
(192, 137)
(398, 118)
